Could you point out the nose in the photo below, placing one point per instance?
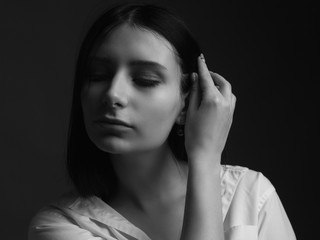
(116, 94)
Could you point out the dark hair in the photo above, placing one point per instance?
(87, 166)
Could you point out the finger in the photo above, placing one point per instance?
(223, 85)
(194, 94)
(212, 76)
(232, 108)
(233, 102)
(205, 81)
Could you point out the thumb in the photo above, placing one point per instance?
(194, 101)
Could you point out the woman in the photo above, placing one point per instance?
(148, 125)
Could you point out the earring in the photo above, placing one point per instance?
(180, 130)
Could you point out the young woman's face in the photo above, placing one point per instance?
(133, 77)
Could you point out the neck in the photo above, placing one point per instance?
(149, 178)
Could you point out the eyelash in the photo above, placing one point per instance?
(143, 82)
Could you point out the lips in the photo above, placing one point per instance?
(113, 121)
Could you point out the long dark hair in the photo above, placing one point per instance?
(87, 166)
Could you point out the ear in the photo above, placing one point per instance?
(181, 118)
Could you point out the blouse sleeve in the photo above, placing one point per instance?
(52, 225)
(273, 220)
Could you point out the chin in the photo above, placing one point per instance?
(121, 145)
(114, 145)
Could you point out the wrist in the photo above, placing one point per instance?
(205, 162)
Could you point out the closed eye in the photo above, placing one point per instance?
(146, 82)
(141, 80)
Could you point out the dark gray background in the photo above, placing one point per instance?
(268, 53)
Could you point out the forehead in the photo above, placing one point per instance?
(127, 43)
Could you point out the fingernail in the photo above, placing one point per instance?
(202, 57)
(193, 77)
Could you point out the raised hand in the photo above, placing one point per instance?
(209, 114)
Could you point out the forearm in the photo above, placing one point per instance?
(203, 211)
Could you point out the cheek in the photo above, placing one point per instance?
(159, 114)
(90, 100)
(90, 106)
(86, 110)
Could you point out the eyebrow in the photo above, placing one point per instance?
(134, 63)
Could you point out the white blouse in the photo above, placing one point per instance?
(251, 210)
